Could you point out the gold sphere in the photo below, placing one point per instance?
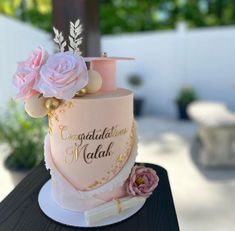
(81, 92)
(52, 103)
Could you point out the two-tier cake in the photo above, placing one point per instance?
(91, 144)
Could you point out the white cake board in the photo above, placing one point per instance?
(71, 218)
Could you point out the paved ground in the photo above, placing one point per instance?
(8, 179)
(204, 198)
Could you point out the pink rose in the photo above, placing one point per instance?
(62, 75)
(27, 74)
(142, 181)
(37, 58)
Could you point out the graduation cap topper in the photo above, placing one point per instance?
(106, 67)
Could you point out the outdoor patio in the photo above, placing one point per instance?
(203, 197)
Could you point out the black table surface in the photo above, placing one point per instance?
(20, 211)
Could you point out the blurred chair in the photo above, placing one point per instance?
(216, 132)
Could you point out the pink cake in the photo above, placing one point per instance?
(91, 148)
(91, 145)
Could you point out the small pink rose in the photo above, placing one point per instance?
(62, 75)
(27, 74)
(37, 58)
(142, 181)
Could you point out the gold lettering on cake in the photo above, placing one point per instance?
(95, 134)
(73, 153)
(62, 128)
(99, 153)
(82, 149)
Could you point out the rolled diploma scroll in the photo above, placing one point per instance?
(112, 208)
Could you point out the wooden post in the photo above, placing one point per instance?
(87, 11)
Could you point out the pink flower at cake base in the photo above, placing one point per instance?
(62, 75)
(142, 181)
(27, 74)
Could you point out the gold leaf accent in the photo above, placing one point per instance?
(122, 158)
(54, 114)
(94, 184)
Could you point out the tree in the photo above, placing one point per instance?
(119, 16)
(36, 12)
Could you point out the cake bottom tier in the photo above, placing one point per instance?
(70, 198)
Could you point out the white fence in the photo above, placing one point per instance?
(204, 58)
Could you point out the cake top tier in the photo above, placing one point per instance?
(106, 67)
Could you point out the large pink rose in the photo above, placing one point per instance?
(62, 75)
(27, 74)
(142, 181)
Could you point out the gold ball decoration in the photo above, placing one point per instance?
(52, 103)
(81, 92)
(94, 82)
(35, 106)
